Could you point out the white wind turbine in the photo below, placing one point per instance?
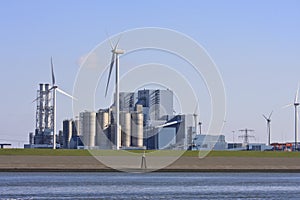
(115, 59)
(268, 119)
(295, 104)
(55, 88)
(195, 115)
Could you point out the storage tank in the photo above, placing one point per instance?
(139, 108)
(88, 128)
(75, 128)
(125, 121)
(113, 137)
(137, 129)
(102, 124)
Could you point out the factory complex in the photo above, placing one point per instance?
(146, 121)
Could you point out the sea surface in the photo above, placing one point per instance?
(44, 185)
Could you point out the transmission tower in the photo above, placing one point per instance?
(246, 136)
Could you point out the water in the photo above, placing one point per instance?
(149, 186)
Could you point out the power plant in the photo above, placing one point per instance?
(146, 121)
(136, 120)
(43, 136)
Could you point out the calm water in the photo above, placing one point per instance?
(149, 186)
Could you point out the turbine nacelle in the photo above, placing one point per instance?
(118, 51)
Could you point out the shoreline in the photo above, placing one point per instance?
(37, 170)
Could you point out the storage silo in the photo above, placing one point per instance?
(113, 137)
(125, 121)
(139, 108)
(88, 128)
(102, 124)
(137, 129)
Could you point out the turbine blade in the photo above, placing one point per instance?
(52, 71)
(297, 93)
(167, 124)
(109, 74)
(117, 42)
(196, 108)
(265, 117)
(286, 106)
(111, 45)
(270, 114)
(35, 100)
(64, 93)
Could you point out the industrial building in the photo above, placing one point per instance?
(43, 134)
(249, 147)
(210, 142)
(69, 137)
(146, 121)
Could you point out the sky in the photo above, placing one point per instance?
(255, 45)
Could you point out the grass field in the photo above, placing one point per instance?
(69, 152)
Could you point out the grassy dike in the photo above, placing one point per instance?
(67, 160)
(77, 152)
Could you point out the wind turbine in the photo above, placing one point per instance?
(55, 88)
(268, 119)
(296, 104)
(115, 59)
(195, 115)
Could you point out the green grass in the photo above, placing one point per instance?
(269, 154)
(69, 152)
(45, 152)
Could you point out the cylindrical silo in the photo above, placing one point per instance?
(137, 129)
(125, 121)
(88, 128)
(102, 124)
(113, 136)
(139, 108)
(75, 128)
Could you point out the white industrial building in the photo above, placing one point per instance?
(210, 142)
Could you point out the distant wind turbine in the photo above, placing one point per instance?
(115, 59)
(195, 115)
(296, 104)
(268, 119)
(55, 88)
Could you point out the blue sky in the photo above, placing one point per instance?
(255, 44)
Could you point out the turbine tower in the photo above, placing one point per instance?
(200, 127)
(195, 115)
(55, 88)
(268, 119)
(296, 104)
(115, 59)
